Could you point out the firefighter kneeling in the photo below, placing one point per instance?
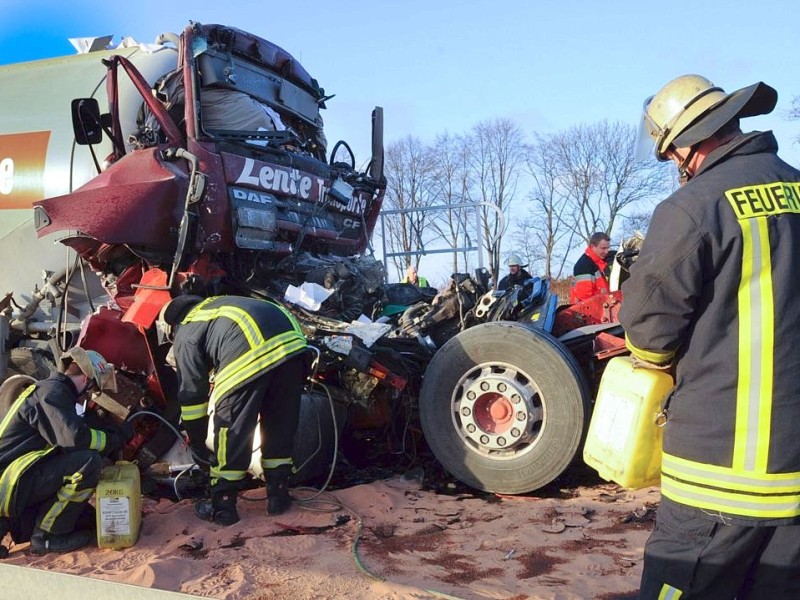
(50, 459)
(259, 358)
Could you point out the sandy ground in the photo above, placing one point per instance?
(387, 540)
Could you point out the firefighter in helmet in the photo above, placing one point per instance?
(713, 296)
(259, 358)
(517, 275)
(50, 459)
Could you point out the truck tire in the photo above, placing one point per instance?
(504, 408)
(10, 390)
(34, 362)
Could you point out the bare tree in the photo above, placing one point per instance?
(496, 158)
(546, 235)
(601, 176)
(408, 174)
(585, 179)
(452, 182)
(793, 114)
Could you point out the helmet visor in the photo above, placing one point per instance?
(645, 144)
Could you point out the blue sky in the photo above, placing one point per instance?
(439, 66)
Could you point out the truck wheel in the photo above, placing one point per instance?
(34, 362)
(10, 390)
(504, 408)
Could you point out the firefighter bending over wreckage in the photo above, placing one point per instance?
(259, 358)
(50, 459)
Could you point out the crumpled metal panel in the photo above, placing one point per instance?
(137, 200)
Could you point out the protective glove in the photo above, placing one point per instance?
(126, 431)
(114, 442)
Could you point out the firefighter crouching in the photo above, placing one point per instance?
(259, 358)
(714, 292)
(50, 459)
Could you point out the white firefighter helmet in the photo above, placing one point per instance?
(690, 109)
(514, 260)
(93, 365)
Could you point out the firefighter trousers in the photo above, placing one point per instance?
(273, 401)
(694, 555)
(59, 487)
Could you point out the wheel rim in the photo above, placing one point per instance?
(498, 410)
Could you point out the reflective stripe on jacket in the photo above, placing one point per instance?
(588, 277)
(715, 288)
(42, 418)
(238, 339)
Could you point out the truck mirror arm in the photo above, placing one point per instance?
(160, 113)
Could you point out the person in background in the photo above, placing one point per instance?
(592, 270)
(713, 296)
(50, 459)
(258, 355)
(414, 279)
(517, 274)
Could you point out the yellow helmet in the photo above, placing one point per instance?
(690, 109)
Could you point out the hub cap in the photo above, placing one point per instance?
(497, 409)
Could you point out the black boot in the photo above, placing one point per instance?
(43, 542)
(220, 508)
(278, 498)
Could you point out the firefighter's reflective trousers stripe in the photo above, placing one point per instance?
(271, 402)
(57, 484)
(263, 354)
(60, 485)
(692, 554)
(12, 473)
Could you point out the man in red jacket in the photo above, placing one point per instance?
(590, 275)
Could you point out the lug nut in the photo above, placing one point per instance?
(471, 428)
(484, 439)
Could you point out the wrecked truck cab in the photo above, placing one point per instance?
(190, 194)
(266, 190)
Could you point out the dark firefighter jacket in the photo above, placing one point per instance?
(590, 276)
(510, 280)
(42, 418)
(237, 339)
(716, 289)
